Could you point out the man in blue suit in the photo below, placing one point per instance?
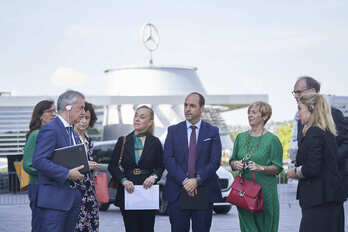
(59, 199)
(192, 154)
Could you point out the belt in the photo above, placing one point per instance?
(138, 171)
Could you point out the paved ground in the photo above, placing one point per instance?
(16, 218)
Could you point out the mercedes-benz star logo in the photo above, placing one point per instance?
(150, 37)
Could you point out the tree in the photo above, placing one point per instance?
(233, 134)
(284, 134)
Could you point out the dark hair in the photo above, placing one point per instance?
(89, 107)
(35, 122)
(201, 98)
(311, 83)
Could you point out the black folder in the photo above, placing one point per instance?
(71, 157)
(198, 202)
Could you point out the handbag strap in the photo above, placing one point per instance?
(253, 174)
(122, 150)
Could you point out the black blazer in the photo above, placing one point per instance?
(342, 133)
(322, 182)
(151, 161)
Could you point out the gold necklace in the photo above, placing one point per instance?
(249, 154)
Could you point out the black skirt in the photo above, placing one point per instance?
(323, 218)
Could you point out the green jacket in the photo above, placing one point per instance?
(28, 157)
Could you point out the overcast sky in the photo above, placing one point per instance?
(239, 47)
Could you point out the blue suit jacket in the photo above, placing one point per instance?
(208, 158)
(54, 190)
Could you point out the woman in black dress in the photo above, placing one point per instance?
(142, 164)
(319, 188)
(89, 212)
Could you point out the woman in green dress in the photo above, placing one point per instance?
(260, 151)
(43, 113)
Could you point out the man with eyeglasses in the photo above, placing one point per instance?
(305, 85)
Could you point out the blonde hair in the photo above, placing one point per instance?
(321, 112)
(151, 129)
(264, 108)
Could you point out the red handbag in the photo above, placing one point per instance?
(101, 188)
(246, 194)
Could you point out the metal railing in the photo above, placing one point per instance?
(9, 190)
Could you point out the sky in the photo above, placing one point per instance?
(239, 47)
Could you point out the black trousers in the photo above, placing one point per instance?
(139, 220)
(323, 218)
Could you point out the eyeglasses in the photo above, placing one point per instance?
(298, 92)
(50, 111)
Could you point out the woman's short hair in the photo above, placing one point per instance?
(89, 107)
(35, 122)
(151, 129)
(264, 108)
(321, 112)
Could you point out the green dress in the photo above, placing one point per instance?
(268, 152)
(28, 157)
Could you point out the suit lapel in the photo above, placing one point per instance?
(76, 137)
(146, 145)
(63, 131)
(201, 136)
(131, 147)
(184, 138)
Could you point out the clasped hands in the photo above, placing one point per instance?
(190, 185)
(239, 165)
(129, 185)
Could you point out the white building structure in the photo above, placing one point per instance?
(163, 88)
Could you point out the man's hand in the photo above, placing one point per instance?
(74, 173)
(148, 182)
(193, 193)
(128, 186)
(190, 185)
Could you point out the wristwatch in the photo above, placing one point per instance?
(155, 176)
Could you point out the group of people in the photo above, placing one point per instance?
(65, 200)
(61, 199)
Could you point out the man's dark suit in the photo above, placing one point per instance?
(208, 158)
(342, 143)
(320, 192)
(59, 203)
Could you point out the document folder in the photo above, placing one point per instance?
(71, 157)
(142, 199)
(198, 202)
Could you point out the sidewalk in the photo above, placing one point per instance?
(16, 218)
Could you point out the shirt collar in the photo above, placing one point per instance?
(198, 124)
(65, 123)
